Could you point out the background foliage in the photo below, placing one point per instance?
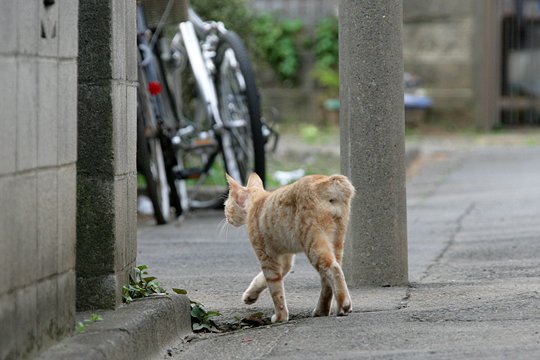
(278, 42)
(326, 50)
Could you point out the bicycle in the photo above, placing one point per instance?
(208, 108)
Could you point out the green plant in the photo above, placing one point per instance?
(141, 286)
(309, 133)
(326, 50)
(201, 319)
(81, 325)
(276, 44)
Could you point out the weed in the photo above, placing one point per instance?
(141, 286)
(81, 325)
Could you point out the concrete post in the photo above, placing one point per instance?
(372, 140)
(106, 167)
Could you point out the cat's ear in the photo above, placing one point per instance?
(231, 181)
(237, 191)
(255, 181)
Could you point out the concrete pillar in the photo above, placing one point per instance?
(106, 167)
(372, 140)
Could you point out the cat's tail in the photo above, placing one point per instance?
(343, 185)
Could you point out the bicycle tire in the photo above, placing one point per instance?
(145, 169)
(148, 153)
(249, 92)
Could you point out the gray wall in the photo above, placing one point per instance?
(310, 11)
(38, 122)
(438, 40)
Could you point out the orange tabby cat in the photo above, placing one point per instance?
(310, 215)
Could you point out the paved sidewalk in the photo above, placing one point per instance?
(474, 260)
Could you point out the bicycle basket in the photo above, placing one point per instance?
(154, 9)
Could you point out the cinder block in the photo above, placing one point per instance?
(49, 34)
(119, 135)
(28, 27)
(25, 229)
(47, 312)
(65, 303)
(120, 220)
(8, 26)
(8, 115)
(68, 15)
(131, 128)
(27, 107)
(94, 37)
(7, 330)
(67, 207)
(131, 41)
(118, 47)
(67, 111)
(97, 292)
(47, 214)
(48, 112)
(95, 226)
(26, 320)
(95, 155)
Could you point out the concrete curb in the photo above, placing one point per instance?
(139, 330)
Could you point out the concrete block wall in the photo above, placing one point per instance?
(38, 143)
(438, 38)
(106, 168)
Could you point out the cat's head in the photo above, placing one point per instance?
(239, 198)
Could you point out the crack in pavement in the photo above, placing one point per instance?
(451, 241)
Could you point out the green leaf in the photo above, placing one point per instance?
(95, 317)
(179, 291)
(81, 327)
(197, 326)
(258, 315)
(198, 312)
(149, 278)
(142, 267)
(210, 314)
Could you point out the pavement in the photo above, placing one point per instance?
(473, 208)
(474, 268)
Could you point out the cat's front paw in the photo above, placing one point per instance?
(249, 298)
(283, 317)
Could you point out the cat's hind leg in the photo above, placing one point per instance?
(325, 299)
(322, 257)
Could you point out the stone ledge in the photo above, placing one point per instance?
(139, 330)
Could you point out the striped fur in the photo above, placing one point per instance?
(310, 216)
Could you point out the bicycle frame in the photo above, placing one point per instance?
(188, 37)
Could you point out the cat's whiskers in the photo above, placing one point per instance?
(223, 226)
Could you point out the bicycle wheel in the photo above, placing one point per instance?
(150, 160)
(239, 103)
